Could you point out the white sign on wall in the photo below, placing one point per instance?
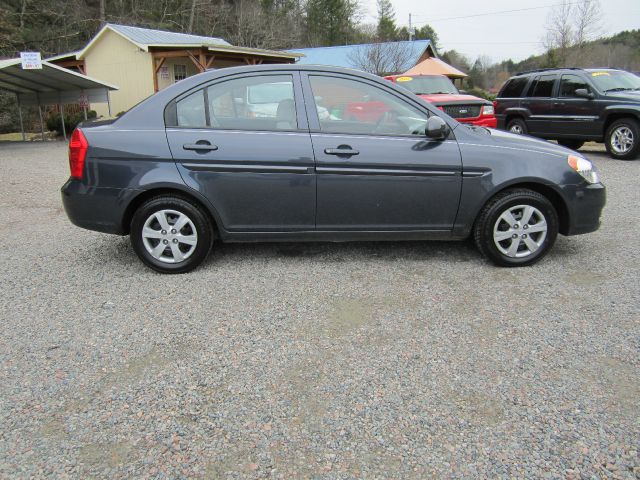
(31, 60)
(83, 100)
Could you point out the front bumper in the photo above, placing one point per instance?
(585, 207)
(96, 208)
(488, 121)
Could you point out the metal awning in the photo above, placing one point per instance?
(50, 85)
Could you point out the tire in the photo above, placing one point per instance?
(491, 225)
(572, 144)
(517, 126)
(622, 139)
(186, 247)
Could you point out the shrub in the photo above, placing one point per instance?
(478, 92)
(71, 120)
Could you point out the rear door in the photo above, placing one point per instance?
(575, 116)
(244, 143)
(376, 169)
(539, 102)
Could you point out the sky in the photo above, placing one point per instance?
(500, 36)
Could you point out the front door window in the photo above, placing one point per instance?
(351, 107)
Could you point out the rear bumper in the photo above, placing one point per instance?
(585, 204)
(96, 208)
(483, 121)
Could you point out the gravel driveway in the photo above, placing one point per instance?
(373, 360)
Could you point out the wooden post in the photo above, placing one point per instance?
(156, 69)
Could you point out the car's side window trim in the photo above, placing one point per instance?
(171, 120)
(312, 114)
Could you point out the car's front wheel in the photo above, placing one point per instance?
(170, 234)
(623, 139)
(516, 228)
(517, 126)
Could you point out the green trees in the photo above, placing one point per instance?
(330, 22)
(386, 30)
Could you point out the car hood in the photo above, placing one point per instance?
(443, 99)
(500, 138)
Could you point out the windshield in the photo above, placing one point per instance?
(428, 84)
(614, 80)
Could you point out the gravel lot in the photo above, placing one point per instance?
(374, 360)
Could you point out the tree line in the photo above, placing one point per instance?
(56, 26)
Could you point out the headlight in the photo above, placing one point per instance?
(584, 167)
(487, 110)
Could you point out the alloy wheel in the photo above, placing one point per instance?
(622, 139)
(169, 236)
(520, 231)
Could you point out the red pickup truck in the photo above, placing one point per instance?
(441, 91)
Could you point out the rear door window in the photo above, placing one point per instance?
(191, 111)
(542, 86)
(514, 88)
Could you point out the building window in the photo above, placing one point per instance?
(179, 72)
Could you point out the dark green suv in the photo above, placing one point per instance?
(574, 105)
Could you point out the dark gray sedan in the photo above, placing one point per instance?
(309, 153)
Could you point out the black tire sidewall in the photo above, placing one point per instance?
(520, 122)
(493, 210)
(197, 216)
(635, 128)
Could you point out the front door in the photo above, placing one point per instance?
(575, 116)
(376, 169)
(244, 144)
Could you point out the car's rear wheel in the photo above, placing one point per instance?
(517, 126)
(516, 228)
(623, 139)
(572, 144)
(170, 234)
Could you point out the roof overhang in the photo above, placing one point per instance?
(50, 85)
(260, 52)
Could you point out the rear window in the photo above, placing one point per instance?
(542, 86)
(513, 88)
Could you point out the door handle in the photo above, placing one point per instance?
(202, 147)
(345, 150)
(558, 104)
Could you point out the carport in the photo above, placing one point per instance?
(51, 85)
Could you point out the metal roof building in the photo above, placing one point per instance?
(342, 55)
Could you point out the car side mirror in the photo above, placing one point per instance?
(437, 128)
(584, 93)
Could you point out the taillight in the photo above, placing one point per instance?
(78, 147)
(495, 104)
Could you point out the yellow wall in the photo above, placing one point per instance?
(119, 62)
(170, 63)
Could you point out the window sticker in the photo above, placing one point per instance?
(404, 79)
(599, 74)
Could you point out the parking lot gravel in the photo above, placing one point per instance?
(324, 361)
